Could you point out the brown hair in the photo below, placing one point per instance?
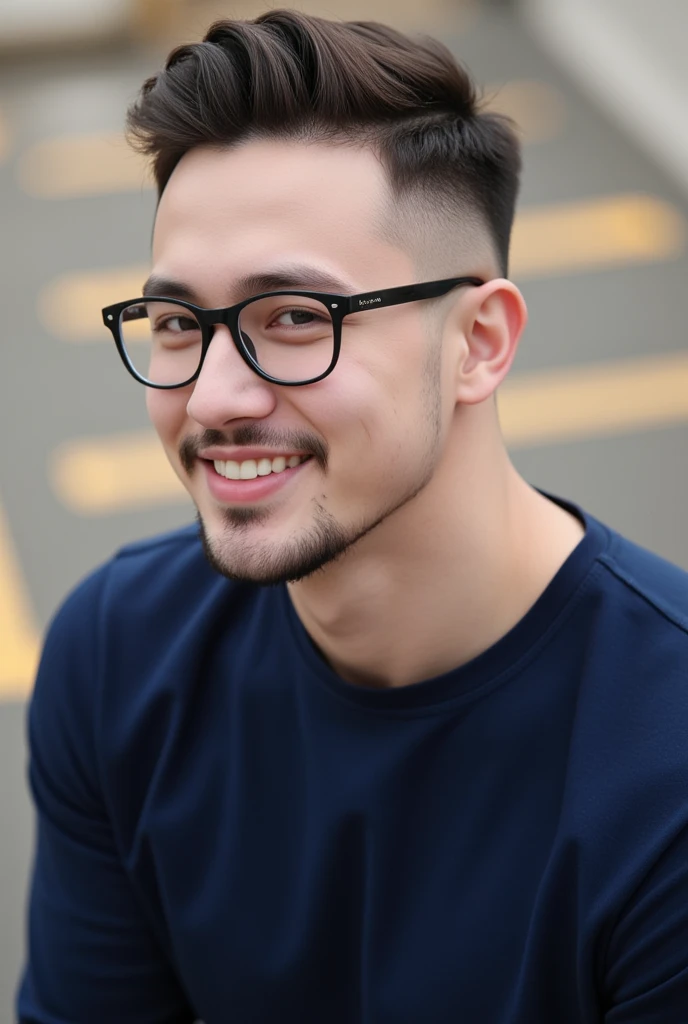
(291, 75)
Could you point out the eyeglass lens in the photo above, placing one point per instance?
(290, 337)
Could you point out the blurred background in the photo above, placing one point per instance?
(596, 409)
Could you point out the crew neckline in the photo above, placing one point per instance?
(488, 669)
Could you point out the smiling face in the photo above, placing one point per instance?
(285, 479)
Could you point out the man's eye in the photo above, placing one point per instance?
(177, 324)
(298, 318)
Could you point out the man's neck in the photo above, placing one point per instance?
(439, 582)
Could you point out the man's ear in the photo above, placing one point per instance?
(492, 319)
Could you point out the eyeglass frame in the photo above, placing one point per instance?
(339, 306)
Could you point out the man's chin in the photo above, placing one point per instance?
(241, 553)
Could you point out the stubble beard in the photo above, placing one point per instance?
(236, 556)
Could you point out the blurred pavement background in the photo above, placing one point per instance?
(597, 406)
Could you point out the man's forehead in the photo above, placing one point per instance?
(262, 207)
(274, 178)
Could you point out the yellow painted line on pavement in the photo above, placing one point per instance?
(99, 476)
(129, 471)
(69, 166)
(550, 240)
(602, 400)
(537, 108)
(584, 235)
(70, 306)
(19, 639)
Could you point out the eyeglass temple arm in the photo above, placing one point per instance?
(408, 293)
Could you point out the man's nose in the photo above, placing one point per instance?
(227, 388)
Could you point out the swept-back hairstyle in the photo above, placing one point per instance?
(290, 75)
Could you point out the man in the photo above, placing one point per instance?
(399, 739)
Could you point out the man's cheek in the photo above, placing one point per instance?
(167, 413)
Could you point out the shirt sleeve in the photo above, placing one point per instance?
(647, 976)
(91, 956)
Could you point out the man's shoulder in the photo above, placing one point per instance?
(166, 559)
(632, 709)
(639, 631)
(156, 602)
(652, 582)
(147, 581)
(176, 544)
(628, 753)
(633, 677)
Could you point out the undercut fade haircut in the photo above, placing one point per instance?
(288, 75)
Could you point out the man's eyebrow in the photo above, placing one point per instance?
(300, 277)
(159, 286)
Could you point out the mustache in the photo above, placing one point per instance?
(258, 435)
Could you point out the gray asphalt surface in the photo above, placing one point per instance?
(52, 392)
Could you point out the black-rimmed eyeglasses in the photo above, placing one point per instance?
(286, 337)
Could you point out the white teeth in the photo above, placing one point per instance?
(249, 469)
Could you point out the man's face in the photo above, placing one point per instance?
(372, 431)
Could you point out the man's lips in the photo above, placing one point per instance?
(231, 482)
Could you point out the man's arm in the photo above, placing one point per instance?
(91, 954)
(647, 965)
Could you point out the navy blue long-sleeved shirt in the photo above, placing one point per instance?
(228, 831)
